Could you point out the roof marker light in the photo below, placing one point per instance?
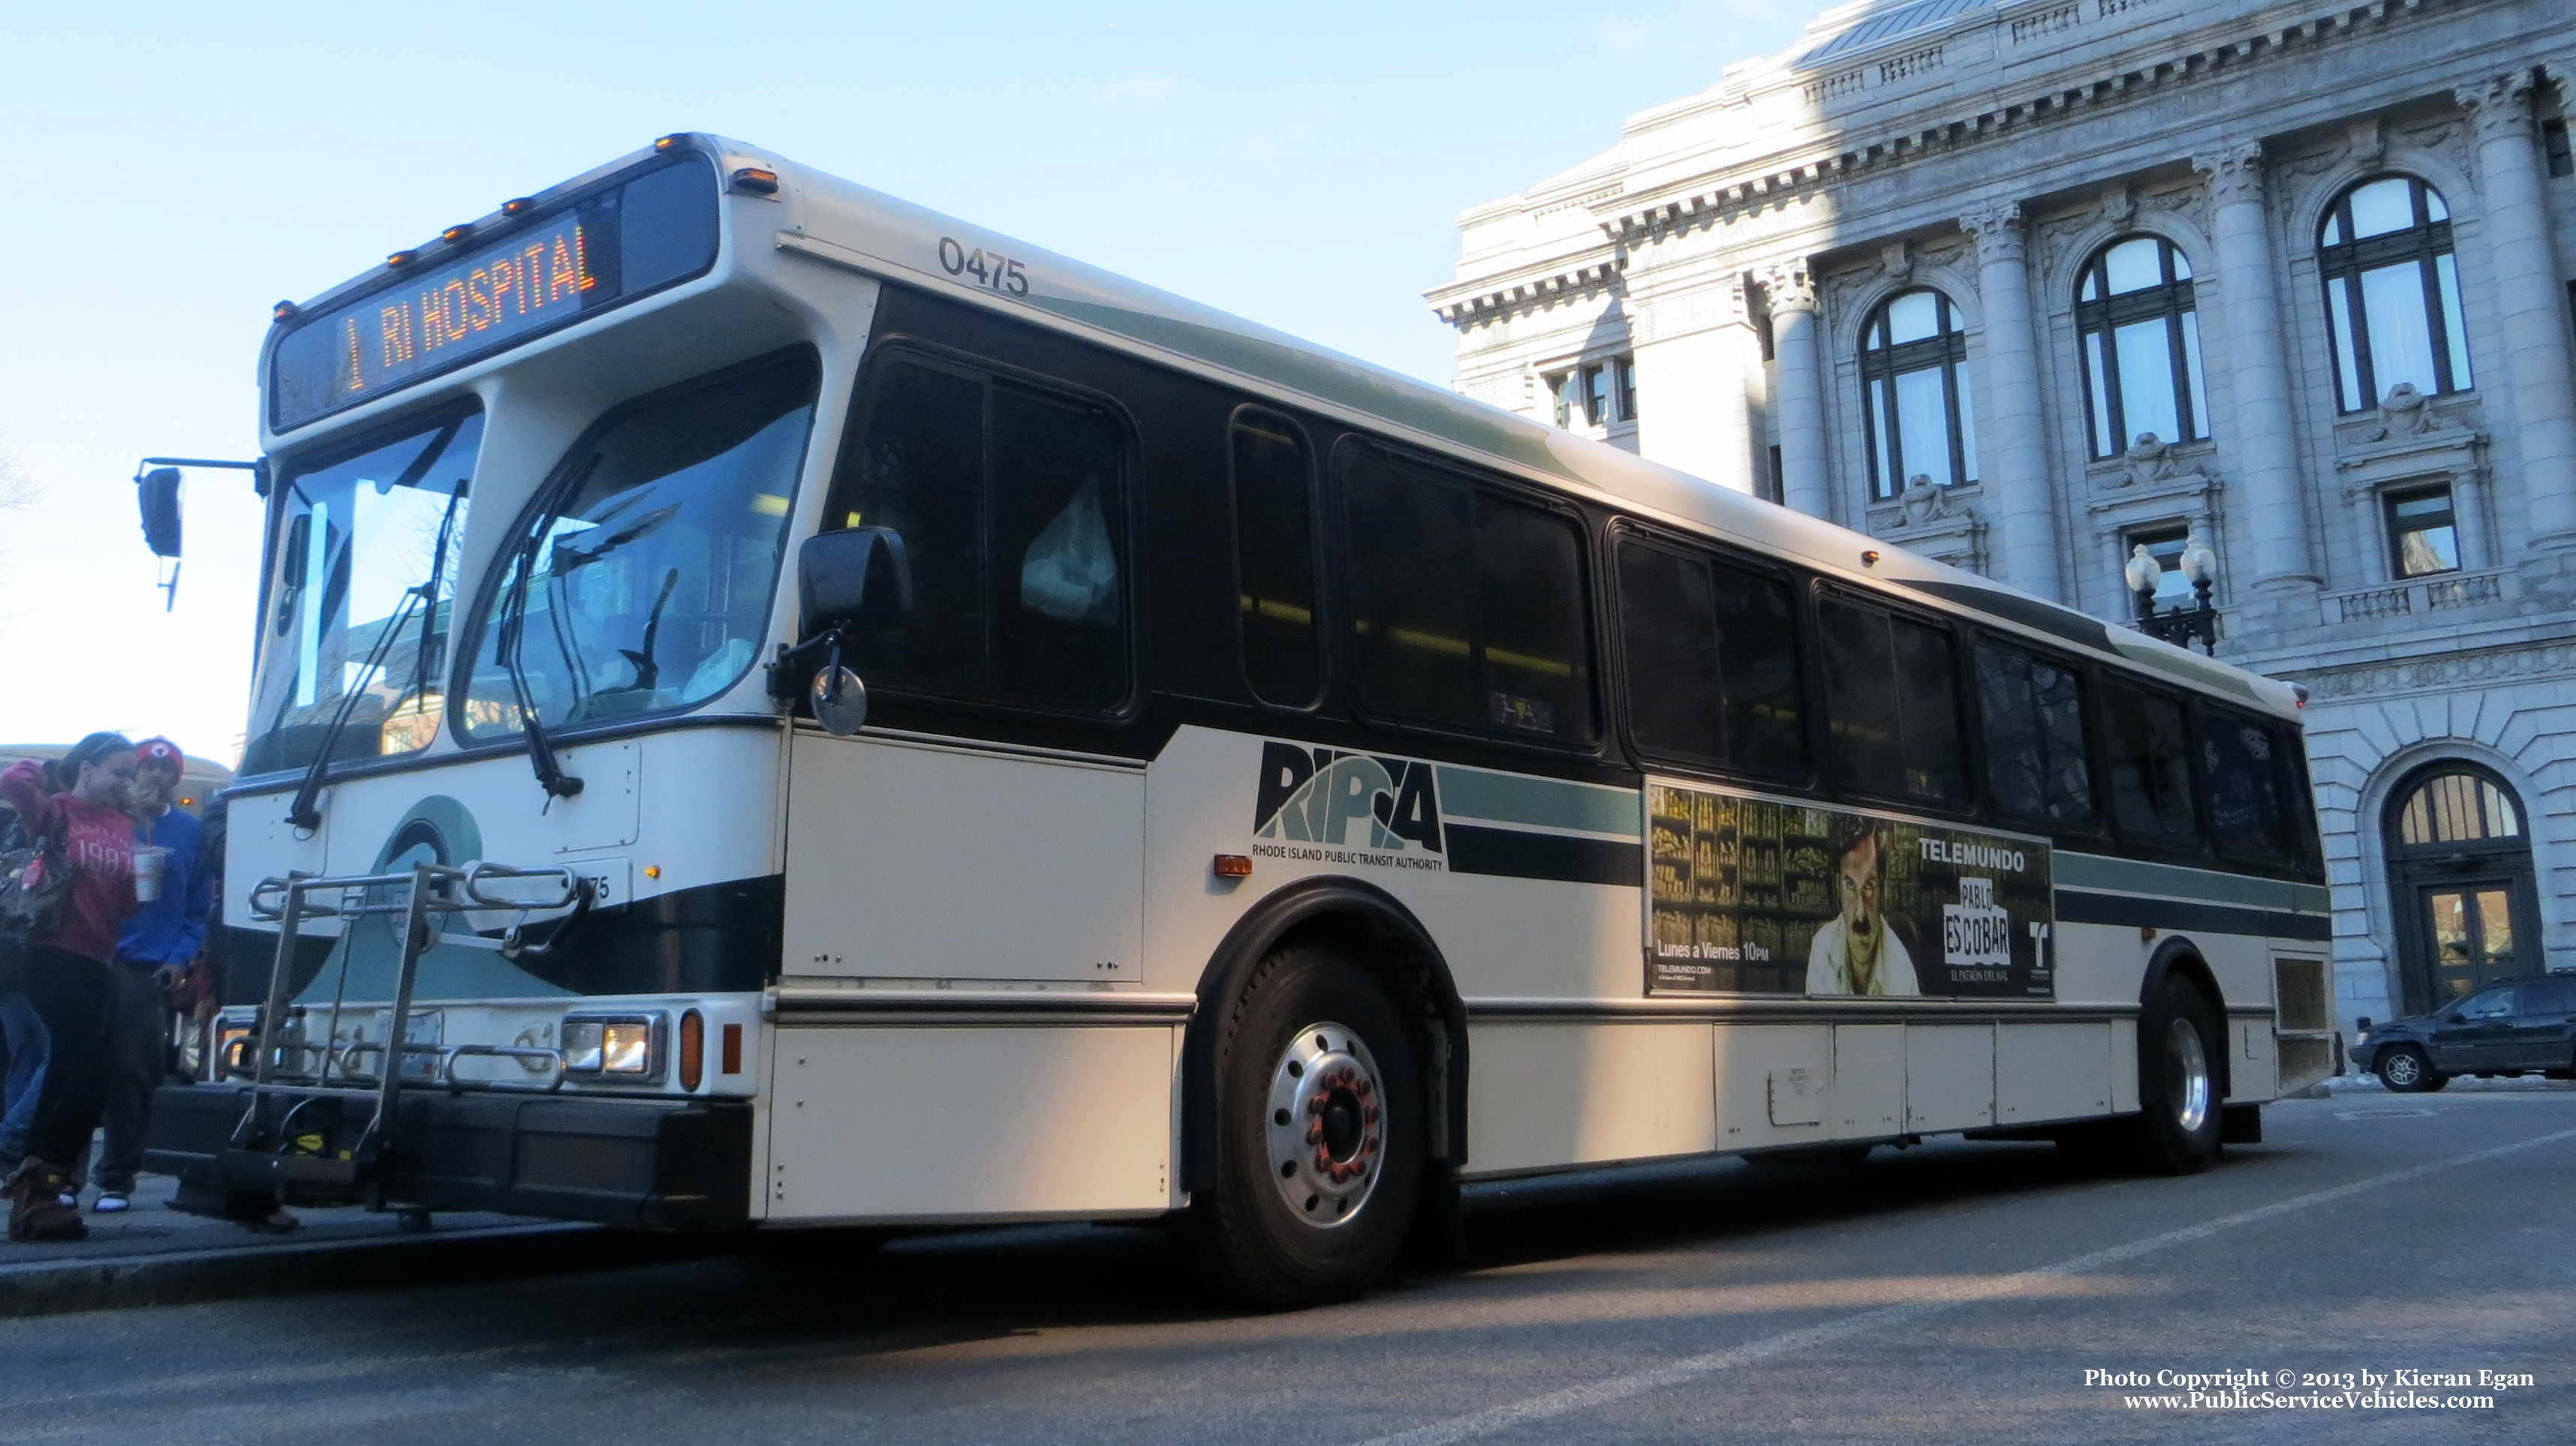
(753, 181)
(284, 310)
(1869, 557)
(671, 141)
(458, 234)
(517, 204)
(402, 258)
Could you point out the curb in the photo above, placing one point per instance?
(134, 1282)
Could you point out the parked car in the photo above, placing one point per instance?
(2518, 1028)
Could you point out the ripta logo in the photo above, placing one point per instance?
(1315, 795)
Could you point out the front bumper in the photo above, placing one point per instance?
(670, 1164)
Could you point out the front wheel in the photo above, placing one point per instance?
(1319, 1105)
(2405, 1071)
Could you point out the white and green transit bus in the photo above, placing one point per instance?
(778, 708)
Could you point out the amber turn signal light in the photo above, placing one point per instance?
(1233, 866)
(753, 181)
(733, 1049)
(693, 1050)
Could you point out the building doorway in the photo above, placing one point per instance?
(2460, 878)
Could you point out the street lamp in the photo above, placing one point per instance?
(2177, 625)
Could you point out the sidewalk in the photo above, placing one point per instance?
(154, 1255)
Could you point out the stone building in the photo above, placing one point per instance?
(2025, 286)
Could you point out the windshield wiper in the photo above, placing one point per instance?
(513, 639)
(305, 811)
(514, 632)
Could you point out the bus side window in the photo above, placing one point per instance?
(1274, 542)
(2033, 716)
(1466, 609)
(1758, 667)
(1012, 507)
(918, 468)
(1668, 634)
(1891, 703)
(2245, 797)
(2150, 766)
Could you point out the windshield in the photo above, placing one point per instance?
(358, 539)
(643, 580)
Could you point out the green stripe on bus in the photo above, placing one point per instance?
(2134, 876)
(1541, 802)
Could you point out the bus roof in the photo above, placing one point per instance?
(840, 222)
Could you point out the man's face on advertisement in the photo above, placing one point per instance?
(1857, 883)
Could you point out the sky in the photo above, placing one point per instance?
(176, 169)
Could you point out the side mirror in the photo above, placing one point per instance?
(859, 578)
(2363, 1022)
(157, 493)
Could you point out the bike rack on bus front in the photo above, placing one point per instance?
(429, 890)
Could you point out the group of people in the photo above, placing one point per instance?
(87, 991)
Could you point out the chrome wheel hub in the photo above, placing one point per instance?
(2186, 1075)
(1325, 1125)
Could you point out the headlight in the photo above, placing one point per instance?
(627, 1045)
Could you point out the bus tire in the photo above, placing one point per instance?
(1320, 1134)
(2178, 1089)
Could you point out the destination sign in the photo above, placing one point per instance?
(583, 256)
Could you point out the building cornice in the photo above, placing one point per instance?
(1715, 196)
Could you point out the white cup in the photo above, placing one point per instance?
(148, 862)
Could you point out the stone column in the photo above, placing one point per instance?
(1801, 399)
(1691, 343)
(2258, 372)
(2013, 439)
(2530, 306)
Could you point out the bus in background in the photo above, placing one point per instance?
(777, 708)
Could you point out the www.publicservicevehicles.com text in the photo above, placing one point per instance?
(2294, 1390)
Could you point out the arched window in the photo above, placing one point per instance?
(1914, 372)
(2141, 335)
(2460, 877)
(2392, 293)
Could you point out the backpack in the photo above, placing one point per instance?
(36, 881)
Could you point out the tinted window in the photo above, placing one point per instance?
(1275, 560)
(1012, 505)
(2494, 1004)
(2150, 765)
(1890, 702)
(2548, 996)
(1465, 609)
(1668, 629)
(643, 580)
(2242, 761)
(2033, 712)
(1758, 664)
(1712, 669)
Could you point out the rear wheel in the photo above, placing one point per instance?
(2178, 1045)
(1319, 1110)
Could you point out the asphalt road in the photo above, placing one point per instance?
(1953, 1292)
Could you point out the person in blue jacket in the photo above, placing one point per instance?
(152, 957)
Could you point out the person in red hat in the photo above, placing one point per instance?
(152, 958)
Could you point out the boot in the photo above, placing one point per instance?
(36, 1208)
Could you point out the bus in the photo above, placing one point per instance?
(777, 708)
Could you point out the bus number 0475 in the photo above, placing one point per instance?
(996, 271)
